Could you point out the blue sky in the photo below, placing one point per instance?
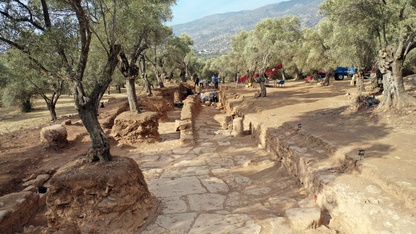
(188, 10)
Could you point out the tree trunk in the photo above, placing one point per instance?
(261, 79)
(296, 77)
(360, 82)
(52, 111)
(147, 86)
(395, 95)
(100, 148)
(131, 95)
(262, 88)
(88, 110)
(118, 88)
(283, 75)
(159, 79)
(51, 104)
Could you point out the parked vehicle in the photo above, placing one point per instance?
(341, 72)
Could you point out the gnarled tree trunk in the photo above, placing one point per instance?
(100, 148)
(131, 95)
(52, 111)
(395, 95)
(88, 110)
(159, 78)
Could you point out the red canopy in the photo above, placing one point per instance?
(270, 72)
(242, 79)
(273, 71)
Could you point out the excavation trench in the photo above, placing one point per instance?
(307, 159)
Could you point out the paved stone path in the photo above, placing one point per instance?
(223, 184)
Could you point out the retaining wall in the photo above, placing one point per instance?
(354, 201)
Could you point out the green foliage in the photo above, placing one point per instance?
(26, 105)
(375, 24)
(16, 89)
(3, 75)
(410, 64)
(351, 34)
(271, 42)
(179, 55)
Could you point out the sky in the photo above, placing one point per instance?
(188, 10)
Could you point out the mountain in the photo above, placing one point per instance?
(213, 33)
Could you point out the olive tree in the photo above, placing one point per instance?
(177, 50)
(69, 22)
(32, 40)
(139, 32)
(27, 82)
(393, 25)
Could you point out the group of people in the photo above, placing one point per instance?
(214, 80)
(212, 97)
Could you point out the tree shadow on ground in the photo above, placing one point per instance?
(359, 130)
(331, 127)
(283, 97)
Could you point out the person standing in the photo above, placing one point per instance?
(183, 76)
(195, 78)
(216, 81)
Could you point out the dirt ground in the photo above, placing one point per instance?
(22, 154)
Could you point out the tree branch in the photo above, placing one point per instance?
(46, 16)
(85, 36)
(23, 19)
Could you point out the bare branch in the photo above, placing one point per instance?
(113, 29)
(105, 24)
(23, 19)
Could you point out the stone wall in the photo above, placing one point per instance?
(132, 128)
(168, 93)
(192, 106)
(16, 209)
(351, 202)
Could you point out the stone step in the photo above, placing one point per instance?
(392, 184)
(361, 206)
(373, 198)
(354, 195)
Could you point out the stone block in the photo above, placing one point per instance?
(225, 121)
(238, 127)
(132, 128)
(16, 210)
(54, 135)
(304, 218)
(38, 181)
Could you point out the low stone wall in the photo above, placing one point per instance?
(192, 106)
(168, 93)
(132, 128)
(351, 202)
(16, 209)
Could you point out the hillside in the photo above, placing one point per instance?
(213, 33)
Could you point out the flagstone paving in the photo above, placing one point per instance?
(223, 184)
